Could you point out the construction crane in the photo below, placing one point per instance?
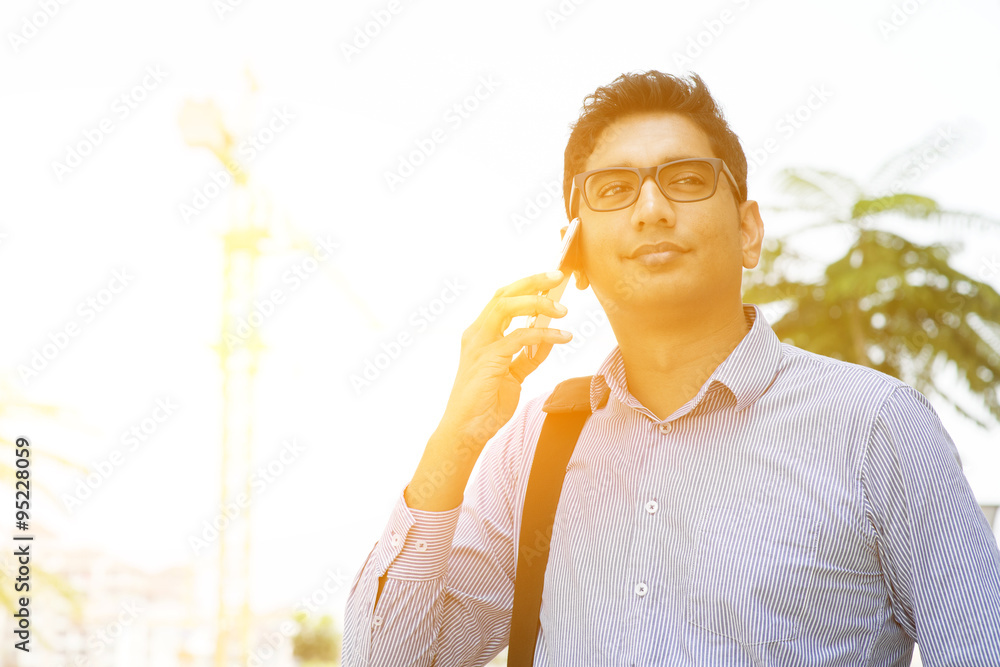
(250, 221)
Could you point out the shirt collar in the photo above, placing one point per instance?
(747, 372)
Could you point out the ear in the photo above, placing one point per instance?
(580, 278)
(751, 233)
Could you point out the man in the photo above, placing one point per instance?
(732, 500)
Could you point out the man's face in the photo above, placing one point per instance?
(717, 236)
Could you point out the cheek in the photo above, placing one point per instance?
(595, 252)
(723, 238)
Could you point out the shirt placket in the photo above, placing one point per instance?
(643, 586)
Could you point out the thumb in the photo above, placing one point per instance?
(523, 365)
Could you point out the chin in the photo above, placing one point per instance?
(646, 292)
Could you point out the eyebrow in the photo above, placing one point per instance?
(664, 160)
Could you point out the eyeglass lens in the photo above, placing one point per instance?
(617, 188)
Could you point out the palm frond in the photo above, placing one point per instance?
(967, 220)
(817, 189)
(901, 166)
(906, 204)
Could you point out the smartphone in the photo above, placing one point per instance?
(567, 257)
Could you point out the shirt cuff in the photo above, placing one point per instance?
(416, 543)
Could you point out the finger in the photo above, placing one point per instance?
(535, 284)
(512, 343)
(508, 308)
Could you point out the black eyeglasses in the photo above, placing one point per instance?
(688, 180)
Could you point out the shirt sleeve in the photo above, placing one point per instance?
(938, 554)
(449, 595)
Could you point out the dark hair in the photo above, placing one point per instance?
(652, 91)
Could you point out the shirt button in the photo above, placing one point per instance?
(652, 506)
(377, 621)
(421, 545)
(641, 589)
(666, 428)
(396, 540)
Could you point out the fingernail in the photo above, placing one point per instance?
(554, 275)
(531, 351)
(560, 308)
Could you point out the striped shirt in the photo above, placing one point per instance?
(798, 510)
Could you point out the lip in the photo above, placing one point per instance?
(663, 248)
(658, 258)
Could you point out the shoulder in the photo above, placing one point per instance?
(846, 379)
(518, 439)
(839, 382)
(844, 402)
(513, 446)
(891, 423)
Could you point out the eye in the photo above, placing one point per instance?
(615, 189)
(688, 178)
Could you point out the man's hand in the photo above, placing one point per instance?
(486, 390)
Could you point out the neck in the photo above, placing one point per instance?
(668, 359)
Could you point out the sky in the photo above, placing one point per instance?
(414, 166)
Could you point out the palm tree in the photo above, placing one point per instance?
(887, 303)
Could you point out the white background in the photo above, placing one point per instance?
(354, 117)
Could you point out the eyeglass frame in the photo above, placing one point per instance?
(718, 164)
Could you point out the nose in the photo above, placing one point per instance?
(651, 206)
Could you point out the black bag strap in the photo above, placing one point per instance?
(566, 410)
